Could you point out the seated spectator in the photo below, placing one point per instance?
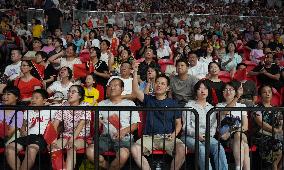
(11, 97)
(13, 70)
(257, 54)
(37, 45)
(49, 46)
(106, 54)
(57, 52)
(215, 84)
(164, 51)
(196, 68)
(125, 76)
(249, 97)
(63, 84)
(166, 123)
(92, 40)
(148, 86)
(207, 56)
(182, 84)
(231, 59)
(235, 136)
(117, 128)
(267, 127)
(37, 29)
(267, 73)
(27, 82)
(76, 125)
(101, 72)
(115, 62)
(58, 34)
(91, 93)
(78, 41)
(149, 61)
(32, 140)
(201, 91)
(66, 61)
(148, 43)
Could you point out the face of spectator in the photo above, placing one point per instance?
(231, 47)
(56, 44)
(242, 67)
(182, 68)
(9, 98)
(69, 39)
(268, 59)
(202, 92)
(89, 81)
(124, 55)
(151, 73)
(147, 41)
(173, 31)
(92, 35)
(266, 93)
(77, 34)
(15, 56)
(115, 88)
(161, 42)
(73, 95)
(256, 35)
(58, 33)
(125, 69)
(182, 42)
(144, 31)
(214, 69)
(149, 54)
(192, 59)
(63, 72)
(39, 59)
(126, 39)
(209, 49)
(37, 100)
(260, 45)
(25, 67)
(110, 32)
(223, 43)
(103, 46)
(36, 44)
(229, 93)
(70, 51)
(161, 35)
(49, 41)
(161, 86)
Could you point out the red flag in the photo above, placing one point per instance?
(3, 129)
(50, 133)
(240, 75)
(114, 120)
(57, 159)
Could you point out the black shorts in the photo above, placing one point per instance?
(32, 139)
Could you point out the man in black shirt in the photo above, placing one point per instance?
(54, 18)
(267, 73)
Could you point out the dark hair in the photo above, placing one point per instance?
(262, 86)
(73, 46)
(81, 91)
(59, 40)
(213, 62)
(123, 35)
(227, 49)
(241, 64)
(95, 33)
(126, 62)
(107, 42)
(50, 37)
(192, 52)
(33, 71)
(118, 79)
(154, 68)
(43, 54)
(128, 51)
(166, 77)
(70, 73)
(79, 31)
(197, 86)
(42, 92)
(98, 51)
(12, 89)
(37, 22)
(184, 60)
(70, 35)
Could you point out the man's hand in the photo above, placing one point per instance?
(201, 137)
(171, 136)
(135, 66)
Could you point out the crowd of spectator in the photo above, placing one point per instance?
(171, 64)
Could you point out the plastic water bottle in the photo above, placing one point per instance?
(158, 166)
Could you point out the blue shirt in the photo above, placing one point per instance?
(80, 42)
(160, 122)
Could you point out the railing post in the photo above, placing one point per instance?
(207, 139)
(96, 139)
(196, 167)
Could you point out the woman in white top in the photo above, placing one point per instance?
(163, 51)
(200, 104)
(232, 92)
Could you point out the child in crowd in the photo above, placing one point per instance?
(91, 93)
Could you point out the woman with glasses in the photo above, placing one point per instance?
(27, 82)
(76, 125)
(234, 124)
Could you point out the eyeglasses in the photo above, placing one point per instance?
(229, 90)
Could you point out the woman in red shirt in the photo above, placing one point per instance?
(27, 83)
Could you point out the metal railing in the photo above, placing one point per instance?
(249, 134)
(96, 120)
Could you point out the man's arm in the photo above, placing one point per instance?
(135, 87)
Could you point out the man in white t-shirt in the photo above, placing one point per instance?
(196, 68)
(12, 71)
(33, 141)
(125, 76)
(117, 127)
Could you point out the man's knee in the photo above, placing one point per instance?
(135, 150)
(124, 154)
